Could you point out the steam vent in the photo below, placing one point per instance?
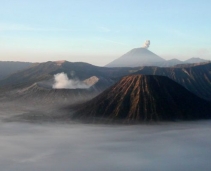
(145, 98)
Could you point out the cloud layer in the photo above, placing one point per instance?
(76, 147)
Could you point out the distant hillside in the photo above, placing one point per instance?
(169, 63)
(196, 79)
(7, 68)
(186, 65)
(145, 98)
(195, 60)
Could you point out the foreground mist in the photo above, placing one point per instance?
(78, 147)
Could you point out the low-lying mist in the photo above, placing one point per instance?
(79, 147)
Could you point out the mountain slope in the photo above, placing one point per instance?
(7, 67)
(195, 60)
(170, 63)
(29, 76)
(46, 71)
(196, 79)
(136, 57)
(145, 98)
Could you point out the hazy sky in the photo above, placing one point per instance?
(97, 31)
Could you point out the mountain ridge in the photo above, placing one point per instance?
(196, 79)
(10, 67)
(45, 72)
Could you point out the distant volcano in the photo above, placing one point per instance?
(136, 57)
(145, 98)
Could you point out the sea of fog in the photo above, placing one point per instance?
(83, 147)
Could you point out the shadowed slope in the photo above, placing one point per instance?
(145, 98)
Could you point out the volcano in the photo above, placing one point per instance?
(137, 57)
(145, 98)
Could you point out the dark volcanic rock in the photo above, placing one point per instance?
(145, 98)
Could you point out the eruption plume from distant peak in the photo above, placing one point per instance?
(146, 44)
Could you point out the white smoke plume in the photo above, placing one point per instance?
(61, 81)
(146, 44)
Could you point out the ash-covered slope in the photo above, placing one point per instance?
(137, 57)
(145, 98)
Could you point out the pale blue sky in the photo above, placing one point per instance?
(97, 31)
